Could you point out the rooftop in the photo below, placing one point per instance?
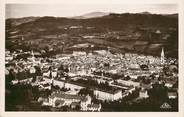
(66, 96)
(172, 93)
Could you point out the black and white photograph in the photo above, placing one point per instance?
(91, 58)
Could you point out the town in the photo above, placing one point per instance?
(97, 80)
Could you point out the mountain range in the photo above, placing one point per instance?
(135, 32)
(91, 15)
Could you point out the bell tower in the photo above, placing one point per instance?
(162, 57)
(33, 58)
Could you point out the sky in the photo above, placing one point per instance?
(70, 10)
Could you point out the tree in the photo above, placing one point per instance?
(86, 91)
(66, 70)
(127, 78)
(77, 108)
(146, 80)
(38, 71)
(144, 67)
(158, 92)
(61, 67)
(9, 78)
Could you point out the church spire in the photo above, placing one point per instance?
(33, 58)
(162, 57)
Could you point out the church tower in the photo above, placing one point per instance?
(33, 58)
(162, 57)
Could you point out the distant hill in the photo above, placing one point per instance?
(18, 21)
(145, 12)
(124, 32)
(91, 15)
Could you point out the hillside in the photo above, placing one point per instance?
(141, 33)
(18, 21)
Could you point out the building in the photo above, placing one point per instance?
(169, 85)
(172, 95)
(128, 83)
(58, 99)
(46, 80)
(85, 102)
(46, 73)
(108, 95)
(158, 32)
(14, 81)
(34, 61)
(32, 70)
(162, 58)
(62, 83)
(67, 98)
(45, 86)
(143, 93)
(79, 53)
(33, 58)
(8, 58)
(54, 73)
(25, 80)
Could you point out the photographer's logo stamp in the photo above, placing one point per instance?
(165, 106)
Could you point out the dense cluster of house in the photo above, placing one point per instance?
(66, 71)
